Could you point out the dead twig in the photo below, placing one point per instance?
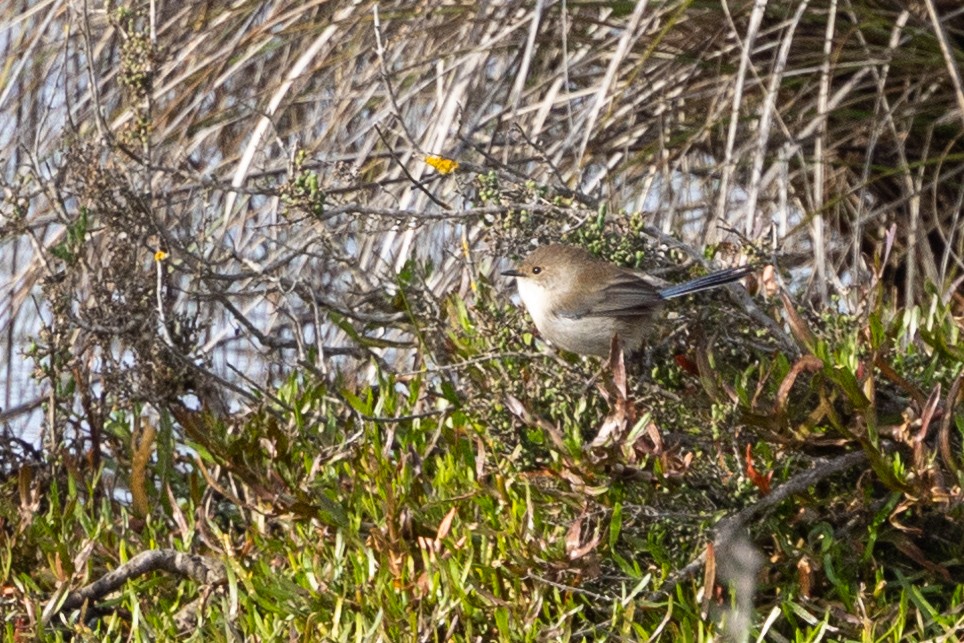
(203, 570)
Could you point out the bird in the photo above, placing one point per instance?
(579, 301)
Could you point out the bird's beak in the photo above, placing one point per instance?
(512, 273)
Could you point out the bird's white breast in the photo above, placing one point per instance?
(583, 335)
(536, 300)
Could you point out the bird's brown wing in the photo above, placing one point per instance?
(627, 296)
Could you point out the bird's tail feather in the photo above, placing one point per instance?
(712, 280)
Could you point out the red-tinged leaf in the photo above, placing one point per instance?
(761, 482)
(804, 577)
(709, 579)
(445, 525)
(574, 534)
(944, 434)
(806, 363)
(589, 547)
(653, 431)
(769, 283)
(928, 414)
(905, 385)
(910, 549)
(575, 548)
(617, 364)
(686, 365)
(798, 327)
(423, 585)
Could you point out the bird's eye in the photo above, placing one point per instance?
(536, 270)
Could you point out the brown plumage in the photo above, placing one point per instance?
(578, 301)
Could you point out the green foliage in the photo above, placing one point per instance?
(470, 504)
(303, 191)
(74, 234)
(414, 463)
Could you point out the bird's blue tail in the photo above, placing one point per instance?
(712, 280)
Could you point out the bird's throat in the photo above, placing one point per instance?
(536, 300)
